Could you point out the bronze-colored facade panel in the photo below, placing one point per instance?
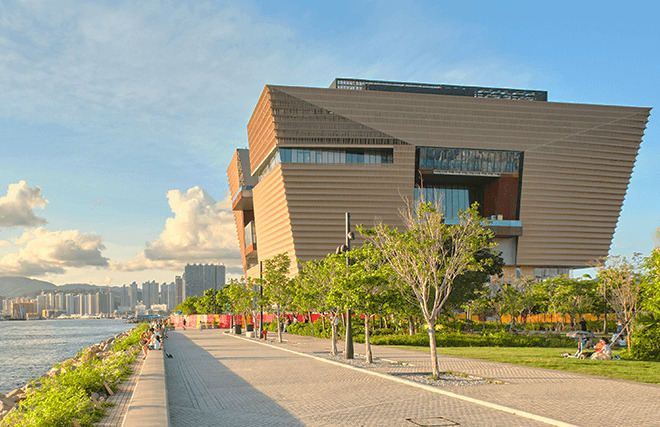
(576, 162)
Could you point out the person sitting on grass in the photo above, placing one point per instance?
(603, 350)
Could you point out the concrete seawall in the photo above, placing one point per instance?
(148, 405)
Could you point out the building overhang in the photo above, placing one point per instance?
(242, 200)
(501, 227)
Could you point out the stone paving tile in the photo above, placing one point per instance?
(572, 398)
(215, 379)
(122, 398)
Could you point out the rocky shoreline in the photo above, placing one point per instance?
(101, 351)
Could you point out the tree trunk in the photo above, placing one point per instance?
(411, 326)
(279, 326)
(348, 342)
(367, 344)
(513, 321)
(333, 351)
(628, 337)
(434, 353)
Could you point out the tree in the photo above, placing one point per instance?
(277, 287)
(365, 289)
(511, 299)
(239, 297)
(207, 303)
(188, 306)
(647, 327)
(621, 282)
(651, 285)
(429, 255)
(471, 284)
(315, 283)
(252, 285)
(482, 305)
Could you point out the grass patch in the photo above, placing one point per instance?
(550, 358)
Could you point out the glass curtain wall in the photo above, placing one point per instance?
(465, 160)
(451, 199)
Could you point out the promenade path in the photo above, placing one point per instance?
(219, 379)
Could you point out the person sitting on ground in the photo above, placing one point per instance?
(156, 344)
(145, 340)
(603, 350)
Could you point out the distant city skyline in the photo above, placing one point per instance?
(118, 120)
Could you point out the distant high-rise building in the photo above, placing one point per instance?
(60, 302)
(92, 304)
(171, 296)
(197, 278)
(104, 303)
(125, 300)
(146, 295)
(165, 294)
(134, 295)
(178, 285)
(79, 304)
(154, 292)
(70, 305)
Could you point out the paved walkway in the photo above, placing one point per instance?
(122, 398)
(219, 379)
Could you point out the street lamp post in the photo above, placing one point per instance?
(261, 298)
(345, 248)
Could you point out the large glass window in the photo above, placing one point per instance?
(451, 198)
(340, 155)
(327, 155)
(270, 163)
(466, 161)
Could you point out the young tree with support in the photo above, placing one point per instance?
(277, 288)
(430, 254)
(315, 283)
(621, 281)
(240, 298)
(367, 288)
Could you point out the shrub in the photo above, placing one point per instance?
(56, 400)
(132, 339)
(646, 339)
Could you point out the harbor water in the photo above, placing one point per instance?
(28, 349)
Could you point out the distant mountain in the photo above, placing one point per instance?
(12, 286)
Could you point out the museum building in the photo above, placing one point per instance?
(551, 177)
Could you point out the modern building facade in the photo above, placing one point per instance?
(550, 176)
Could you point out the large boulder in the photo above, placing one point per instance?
(15, 393)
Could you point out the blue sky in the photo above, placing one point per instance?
(118, 118)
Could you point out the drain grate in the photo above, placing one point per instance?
(432, 422)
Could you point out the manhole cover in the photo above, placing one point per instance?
(432, 421)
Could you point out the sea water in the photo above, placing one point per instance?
(28, 349)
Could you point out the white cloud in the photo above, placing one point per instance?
(17, 207)
(202, 230)
(158, 68)
(43, 251)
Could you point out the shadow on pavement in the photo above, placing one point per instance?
(202, 391)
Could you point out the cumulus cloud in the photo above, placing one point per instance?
(43, 252)
(202, 230)
(17, 207)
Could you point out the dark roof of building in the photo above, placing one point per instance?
(440, 89)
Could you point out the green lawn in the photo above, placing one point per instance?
(550, 358)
